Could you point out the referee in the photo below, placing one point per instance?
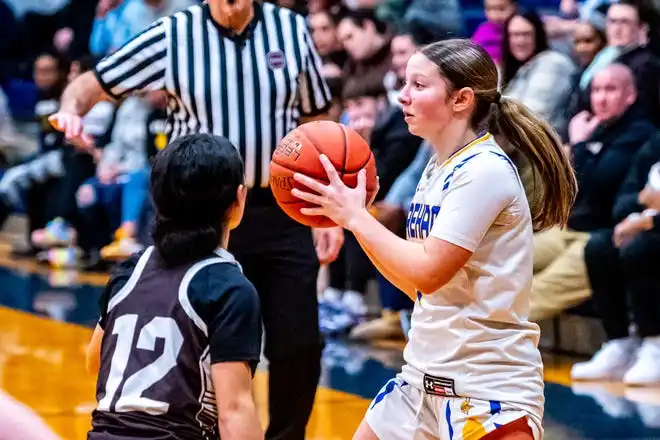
(247, 71)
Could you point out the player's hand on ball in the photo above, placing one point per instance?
(336, 201)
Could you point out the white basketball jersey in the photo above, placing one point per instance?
(472, 338)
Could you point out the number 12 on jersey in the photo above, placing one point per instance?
(131, 398)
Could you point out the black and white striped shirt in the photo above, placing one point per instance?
(251, 89)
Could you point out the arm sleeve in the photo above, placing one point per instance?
(228, 303)
(118, 279)
(477, 193)
(315, 97)
(138, 65)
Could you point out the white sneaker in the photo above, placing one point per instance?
(611, 362)
(354, 303)
(331, 296)
(646, 369)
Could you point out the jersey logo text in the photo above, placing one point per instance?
(439, 386)
(420, 220)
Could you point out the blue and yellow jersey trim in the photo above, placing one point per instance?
(461, 152)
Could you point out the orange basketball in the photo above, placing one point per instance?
(299, 152)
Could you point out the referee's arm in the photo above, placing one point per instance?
(315, 98)
(139, 65)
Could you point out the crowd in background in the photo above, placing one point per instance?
(589, 69)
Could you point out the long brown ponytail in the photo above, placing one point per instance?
(551, 201)
(465, 64)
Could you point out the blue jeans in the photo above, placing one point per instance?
(111, 206)
(122, 199)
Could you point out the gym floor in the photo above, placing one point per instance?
(46, 320)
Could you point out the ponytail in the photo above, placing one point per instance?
(552, 200)
(177, 244)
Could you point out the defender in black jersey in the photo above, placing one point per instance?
(180, 330)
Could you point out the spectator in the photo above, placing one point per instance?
(403, 47)
(404, 44)
(602, 147)
(114, 197)
(367, 43)
(627, 32)
(535, 75)
(14, 146)
(588, 41)
(44, 184)
(324, 35)
(622, 268)
(490, 34)
(116, 23)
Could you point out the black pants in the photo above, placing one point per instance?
(353, 269)
(278, 257)
(625, 280)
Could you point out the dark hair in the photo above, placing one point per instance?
(363, 87)
(335, 13)
(645, 11)
(194, 181)
(63, 65)
(420, 33)
(510, 63)
(360, 16)
(335, 84)
(463, 63)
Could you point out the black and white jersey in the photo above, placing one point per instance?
(163, 329)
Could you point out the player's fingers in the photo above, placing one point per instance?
(362, 179)
(87, 140)
(310, 183)
(373, 196)
(312, 211)
(309, 197)
(333, 250)
(330, 170)
(76, 126)
(73, 128)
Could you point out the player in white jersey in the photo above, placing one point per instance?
(472, 366)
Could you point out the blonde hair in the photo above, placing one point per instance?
(463, 63)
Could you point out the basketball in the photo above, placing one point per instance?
(299, 152)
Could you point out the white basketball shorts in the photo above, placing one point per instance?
(401, 412)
